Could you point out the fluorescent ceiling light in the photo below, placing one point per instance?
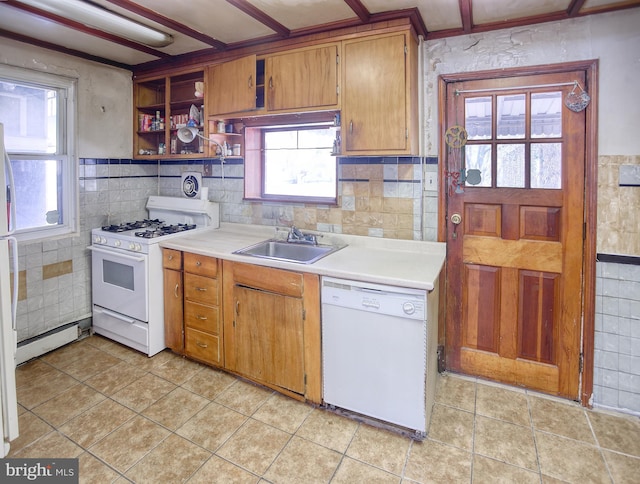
(95, 16)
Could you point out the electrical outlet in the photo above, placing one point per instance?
(431, 181)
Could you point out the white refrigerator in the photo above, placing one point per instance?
(8, 335)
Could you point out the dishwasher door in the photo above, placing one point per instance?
(374, 351)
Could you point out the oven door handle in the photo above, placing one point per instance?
(117, 254)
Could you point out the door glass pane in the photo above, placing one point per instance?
(546, 165)
(477, 117)
(546, 115)
(478, 158)
(510, 171)
(511, 116)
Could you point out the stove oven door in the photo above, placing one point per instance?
(119, 282)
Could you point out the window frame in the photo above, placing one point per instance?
(254, 168)
(66, 119)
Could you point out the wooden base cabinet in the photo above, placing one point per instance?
(173, 300)
(272, 328)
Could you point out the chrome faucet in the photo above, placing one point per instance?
(296, 236)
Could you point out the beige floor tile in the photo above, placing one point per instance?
(619, 433)
(219, 471)
(177, 369)
(303, 461)
(175, 408)
(115, 378)
(433, 462)
(352, 471)
(254, 446)
(623, 468)
(43, 388)
(498, 402)
(69, 354)
(173, 460)
(379, 448)
(456, 392)
(94, 424)
(283, 413)
(91, 470)
(113, 348)
(505, 442)
(212, 426)
(243, 397)
(328, 429)
(31, 428)
(560, 418)
(141, 393)
(452, 426)
(491, 471)
(209, 383)
(68, 404)
(570, 460)
(51, 445)
(91, 364)
(125, 446)
(32, 370)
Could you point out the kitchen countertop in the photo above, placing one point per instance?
(405, 263)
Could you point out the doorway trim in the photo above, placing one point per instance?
(590, 68)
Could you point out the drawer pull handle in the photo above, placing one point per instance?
(170, 256)
(201, 288)
(202, 345)
(201, 318)
(198, 263)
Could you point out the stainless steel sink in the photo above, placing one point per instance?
(288, 251)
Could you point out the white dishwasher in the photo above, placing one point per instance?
(378, 352)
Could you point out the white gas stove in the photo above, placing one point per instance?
(127, 282)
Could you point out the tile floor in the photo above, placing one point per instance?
(167, 419)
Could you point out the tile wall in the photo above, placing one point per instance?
(617, 336)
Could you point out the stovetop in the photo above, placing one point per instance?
(152, 228)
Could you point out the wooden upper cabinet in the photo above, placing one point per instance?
(231, 86)
(379, 95)
(303, 79)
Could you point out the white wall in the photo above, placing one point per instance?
(613, 38)
(104, 97)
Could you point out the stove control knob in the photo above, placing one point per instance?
(103, 240)
(132, 246)
(96, 239)
(117, 243)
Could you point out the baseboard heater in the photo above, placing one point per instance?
(49, 341)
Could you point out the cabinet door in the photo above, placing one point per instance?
(374, 116)
(231, 86)
(173, 327)
(303, 79)
(269, 338)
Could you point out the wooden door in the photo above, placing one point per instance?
(374, 116)
(515, 231)
(231, 86)
(269, 338)
(303, 79)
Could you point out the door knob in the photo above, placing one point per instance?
(456, 218)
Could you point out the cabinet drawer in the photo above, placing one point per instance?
(204, 318)
(171, 259)
(202, 346)
(268, 279)
(201, 289)
(200, 264)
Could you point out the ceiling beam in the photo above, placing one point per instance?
(466, 15)
(574, 7)
(170, 23)
(80, 27)
(360, 10)
(261, 17)
(64, 50)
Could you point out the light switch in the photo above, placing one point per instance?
(431, 181)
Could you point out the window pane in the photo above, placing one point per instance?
(304, 168)
(510, 166)
(477, 117)
(546, 165)
(478, 157)
(511, 116)
(29, 115)
(546, 115)
(38, 193)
